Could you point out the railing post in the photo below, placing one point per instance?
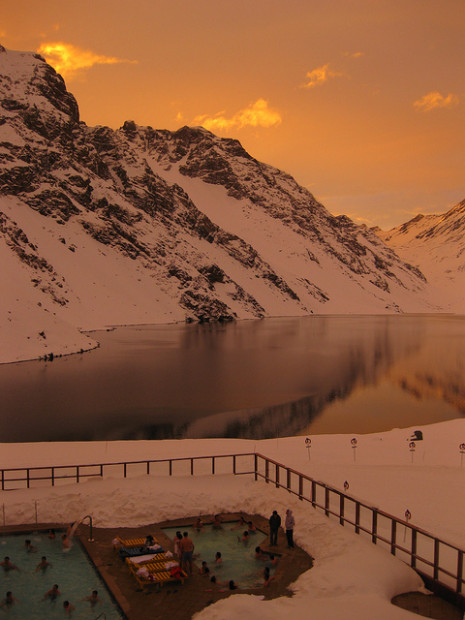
(267, 471)
(341, 509)
(3, 479)
(170, 467)
(277, 475)
(413, 560)
(256, 467)
(101, 470)
(326, 501)
(458, 587)
(148, 468)
(53, 476)
(192, 466)
(77, 473)
(288, 481)
(213, 465)
(374, 526)
(125, 469)
(436, 559)
(27, 477)
(313, 493)
(301, 486)
(357, 518)
(234, 464)
(393, 536)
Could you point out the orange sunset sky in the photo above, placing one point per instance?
(362, 101)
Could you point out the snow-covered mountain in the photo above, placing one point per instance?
(102, 227)
(436, 245)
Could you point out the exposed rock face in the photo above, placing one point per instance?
(219, 234)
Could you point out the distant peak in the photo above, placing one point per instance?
(2, 49)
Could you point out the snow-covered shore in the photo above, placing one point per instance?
(351, 578)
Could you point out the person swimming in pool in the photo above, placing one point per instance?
(29, 546)
(232, 585)
(251, 528)
(259, 555)
(65, 542)
(43, 564)
(217, 521)
(204, 570)
(218, 559)
(8, 565)
(93, 599)
(245, 538)
(198, 525)
(52, 594)
(9, 600)
(68, 607)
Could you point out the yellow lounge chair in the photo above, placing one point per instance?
(156, 576)
(133, 542)
(161, 558)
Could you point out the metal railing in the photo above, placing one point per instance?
(439, 562)
(33, 477)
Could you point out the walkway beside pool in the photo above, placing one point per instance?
(176, 600)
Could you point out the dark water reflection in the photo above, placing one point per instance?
(254, 379)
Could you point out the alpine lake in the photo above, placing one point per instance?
(249, 379)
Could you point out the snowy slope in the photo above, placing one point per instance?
(436, 245)
(101, 227)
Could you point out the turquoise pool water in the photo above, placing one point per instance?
(238, 558)
(71, 570)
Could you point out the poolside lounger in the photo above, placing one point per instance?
(133, 542)
(153, 557)
(158, 576)
(126, 552)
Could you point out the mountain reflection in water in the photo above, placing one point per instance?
(253, 379)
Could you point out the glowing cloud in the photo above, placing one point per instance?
(434, 100)
(353, 55)
(67, 59)
(257, 114)
(320, 75)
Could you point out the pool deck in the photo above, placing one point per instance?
(182, 601)
(178, 600)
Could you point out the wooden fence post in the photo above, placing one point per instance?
(436, 559)
(458, 588)
(393, 536)
(374, 526)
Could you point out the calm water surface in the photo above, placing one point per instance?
(253, 379)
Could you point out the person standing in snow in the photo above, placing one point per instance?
(289, 524)
(275, 522)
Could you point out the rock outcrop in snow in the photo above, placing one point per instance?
(101, 227)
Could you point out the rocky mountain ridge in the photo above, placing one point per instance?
(101, 227)
(436, 245)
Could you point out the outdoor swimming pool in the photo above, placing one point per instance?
(71, 570)
(238, 558)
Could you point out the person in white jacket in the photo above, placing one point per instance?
(289, 525)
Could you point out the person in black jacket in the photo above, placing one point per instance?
(275, 522)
